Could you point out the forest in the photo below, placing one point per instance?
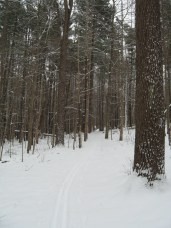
(69, 67)
(66, 68)
(81, 77)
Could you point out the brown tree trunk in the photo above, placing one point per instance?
(87, 95)
(3, 76)
(149, 113)
(62, 75)
(109, 92)
(121, 81)
(91, 113)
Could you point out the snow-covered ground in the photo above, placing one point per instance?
(89, 188)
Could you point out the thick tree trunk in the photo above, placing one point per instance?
(109, 91)
(62, 75)
(121, 81)
(4, 49)
(78, 96)
(149, 113)
(91, 113)
(31, 113)
(87, 96)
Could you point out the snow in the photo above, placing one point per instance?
(83, 188)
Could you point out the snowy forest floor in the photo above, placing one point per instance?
(92, 187)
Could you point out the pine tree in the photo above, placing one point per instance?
(62, 74)
(149, 113)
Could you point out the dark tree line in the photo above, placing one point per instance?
(63, 69)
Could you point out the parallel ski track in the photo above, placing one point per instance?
(60, 217)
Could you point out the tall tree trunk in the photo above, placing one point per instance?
(101, 103)
(31, 111)
(91, 113)
(62, 74)
(87, 95)
(3, 77)
(121, 79)
(88, 45)
(109, 91)
(149, 113)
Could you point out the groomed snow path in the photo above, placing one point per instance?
(89, 188)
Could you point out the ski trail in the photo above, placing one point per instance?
(60, 217)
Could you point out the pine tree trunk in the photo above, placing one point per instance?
(62, 75)
(87, 86)
(78, 96)
(149, 113)
(4, 46)
(121, 79)
(109, 91)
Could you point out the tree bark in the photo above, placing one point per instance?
(62, 75)
(149, 111)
